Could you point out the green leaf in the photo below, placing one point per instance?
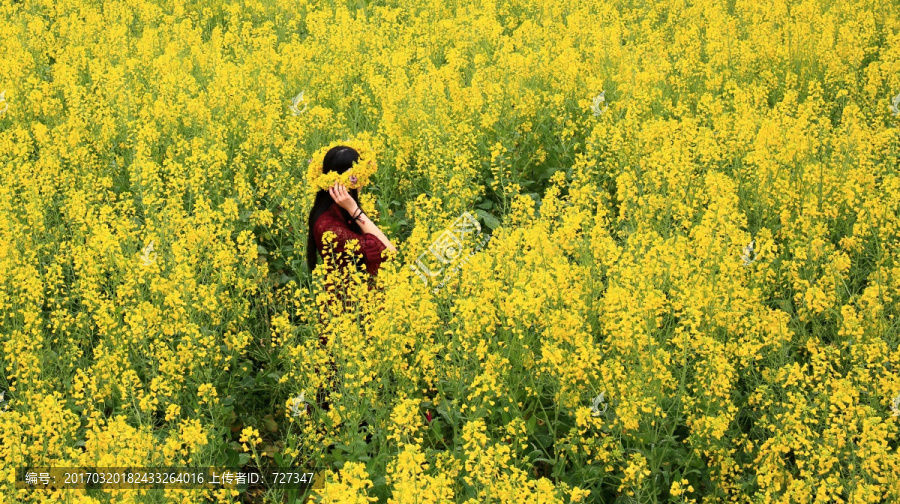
(446, 414)
(270, 424)
(489, 219)
(544, 439)
(262, 250)
(231, 457)
(485, 205)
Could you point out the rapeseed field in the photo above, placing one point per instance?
(679, 279)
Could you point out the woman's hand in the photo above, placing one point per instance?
(343, 199)
(340, 196)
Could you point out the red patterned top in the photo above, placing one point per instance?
(369, 245)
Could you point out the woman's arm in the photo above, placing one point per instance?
(340, 196)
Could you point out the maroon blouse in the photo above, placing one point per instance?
(369, 245)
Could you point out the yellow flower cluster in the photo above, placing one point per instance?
(251, 436)
(684, 284)
(354, 178)
(348, 487)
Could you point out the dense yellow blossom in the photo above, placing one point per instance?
(683, 284)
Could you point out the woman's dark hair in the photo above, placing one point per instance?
(340, 159)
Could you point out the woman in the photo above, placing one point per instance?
(337, 210)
